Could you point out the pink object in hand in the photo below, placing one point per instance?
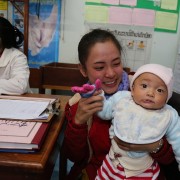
(87, 90)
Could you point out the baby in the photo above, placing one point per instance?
(141, 116)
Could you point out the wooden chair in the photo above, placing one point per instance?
(61, 76)
(35, 79)
(63, 161)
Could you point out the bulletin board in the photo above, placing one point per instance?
(166, 11)
(133, 22)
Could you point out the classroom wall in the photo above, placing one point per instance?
(164, 45)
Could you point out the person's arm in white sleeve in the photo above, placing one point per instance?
(16, 79)
(107, 111)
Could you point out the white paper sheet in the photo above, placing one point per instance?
(22, 109)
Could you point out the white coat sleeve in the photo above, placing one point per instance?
(18, 78)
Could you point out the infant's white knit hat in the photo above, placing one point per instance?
(163, 72)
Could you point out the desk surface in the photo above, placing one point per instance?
(37, 165)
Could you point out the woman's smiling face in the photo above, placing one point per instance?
(104, 63)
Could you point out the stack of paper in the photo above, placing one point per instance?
(19, 132)
(21, 109)
(24, 109)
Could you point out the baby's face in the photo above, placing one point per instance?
(149, 91)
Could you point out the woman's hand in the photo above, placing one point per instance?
(137, 147)
(87, 107)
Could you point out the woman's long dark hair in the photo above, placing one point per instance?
(10, 35)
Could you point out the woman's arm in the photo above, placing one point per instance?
(76, 132)
(164, 155)
(75, 137)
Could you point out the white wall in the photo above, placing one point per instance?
(72, 29)
(164, 46)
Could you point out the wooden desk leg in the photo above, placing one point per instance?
(41, 91)
(53, 91)
(62, 164)
(62, 156)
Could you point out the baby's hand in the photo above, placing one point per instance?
(87, 90)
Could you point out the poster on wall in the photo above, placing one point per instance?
(44, 23)
(3, 9)
(136, 42)
(18, 19)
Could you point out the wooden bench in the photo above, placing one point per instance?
(61, 76)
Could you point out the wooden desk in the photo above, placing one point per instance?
(36, 166)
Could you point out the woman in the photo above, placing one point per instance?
(14, 70)
(87, 140)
